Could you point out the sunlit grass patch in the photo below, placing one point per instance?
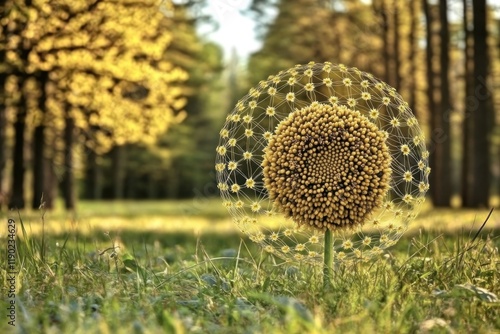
(181, 274)
(200, 215)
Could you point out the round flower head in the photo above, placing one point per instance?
(322, 146)
(327, 167)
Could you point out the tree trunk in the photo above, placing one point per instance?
(3, 143)
(68, 181)
(411, 56)
(93, 176)
(38, 166)
(3, 119)
(130, 186)
(118, 161)
(431, 100)
(152, 186)
(51, 184)
(173, 183)
(396, 56)
(470, 105)
(39, 180)
(482, 115)
(18, 167)
(381, 10)
(440, 119)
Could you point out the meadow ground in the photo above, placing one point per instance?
(181, 267)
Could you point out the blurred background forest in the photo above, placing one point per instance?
(124, 99)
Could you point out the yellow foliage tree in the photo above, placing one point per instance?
(100, 66)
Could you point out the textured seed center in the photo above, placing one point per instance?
(327, 166)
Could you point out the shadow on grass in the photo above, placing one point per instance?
(139, 243)
(182, 245)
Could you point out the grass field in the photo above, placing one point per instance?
(181, 267)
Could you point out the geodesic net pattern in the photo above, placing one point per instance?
(345, 114)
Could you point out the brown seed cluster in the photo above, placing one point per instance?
(327, 167)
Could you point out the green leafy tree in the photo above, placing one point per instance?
(305, 30)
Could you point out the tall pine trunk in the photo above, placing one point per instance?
(51, 183)
(39, 174)
(380, 9)
(18, 166)
(118, 162)
(396, 56)
(3, 106)
(68, 181)
(93, 176)
(38, 166)
(440, 119)
(429, 54)
(3, 143)
(152, 186)
(483, 114)
(467, 179)
(411, 56)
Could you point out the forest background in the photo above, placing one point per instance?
(124, 99)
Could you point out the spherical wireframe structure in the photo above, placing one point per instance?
(322, 146)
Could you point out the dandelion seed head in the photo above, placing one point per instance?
(322, 146)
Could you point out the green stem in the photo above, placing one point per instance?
(328, 260)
